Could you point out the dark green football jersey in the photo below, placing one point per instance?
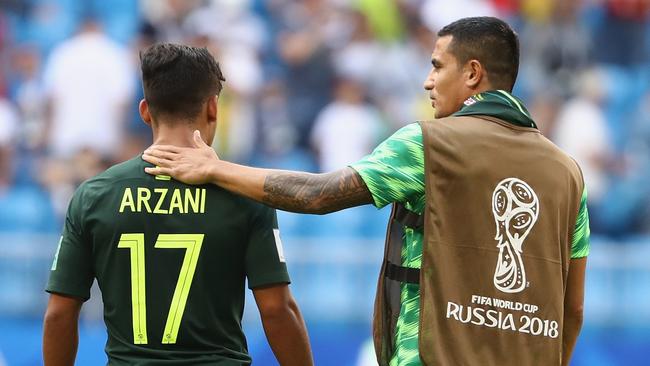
(171, 261)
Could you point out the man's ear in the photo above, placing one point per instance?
(144, 112)
(475, 74)
(213, 108)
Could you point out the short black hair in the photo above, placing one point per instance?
(490, 41)
(178, 79)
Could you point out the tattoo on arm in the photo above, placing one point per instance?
(316, 193)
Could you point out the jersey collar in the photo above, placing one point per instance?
(499, 104)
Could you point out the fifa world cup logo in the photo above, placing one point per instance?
(515, 207)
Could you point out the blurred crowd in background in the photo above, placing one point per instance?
(315, 85)
(311, 84)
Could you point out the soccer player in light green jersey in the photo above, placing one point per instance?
(171, 260)
(475, 64)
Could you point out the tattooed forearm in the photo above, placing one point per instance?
(316, 193)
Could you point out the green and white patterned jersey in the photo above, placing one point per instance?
(394, 172)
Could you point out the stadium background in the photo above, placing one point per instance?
(313, 85)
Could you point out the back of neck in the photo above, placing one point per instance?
(180, 134)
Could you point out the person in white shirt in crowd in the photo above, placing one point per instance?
(88, 82)
(348, 128)
(8, 130)
(583, 115)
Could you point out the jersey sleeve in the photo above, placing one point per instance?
(394, 171)
(580, 245)
(265, 263)
(72, 273)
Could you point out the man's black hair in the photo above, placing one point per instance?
(178, 79)
(491, 42)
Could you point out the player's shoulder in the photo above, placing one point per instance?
(562, 157)
(450, 124)
(130, 169)
(411, 130)
(407, 137)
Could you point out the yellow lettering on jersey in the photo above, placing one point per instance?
(192, 201)
(177, 202)
(203, 200)
(181, 201)
(163, 193)
(144, 194)
(127, 200)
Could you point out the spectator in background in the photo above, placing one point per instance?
(624, 32)
(8, 129)
(437, 13)
(25, 208)
(347, 129)
(406, 62)
(583, 116)
(624, 52)
(236, 35)
(275, 133)
(359, 56)
(384, 18)
(28, 93)
(307, 57)
(3, 36)
(390, 70)
(635, 185)
(168, 16)
(89, 82)
(555, 49)
(625, 206)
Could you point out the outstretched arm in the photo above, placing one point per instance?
(287, 190)
(299, 191)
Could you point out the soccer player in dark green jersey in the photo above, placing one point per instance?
(170, 259)
(474, 68)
